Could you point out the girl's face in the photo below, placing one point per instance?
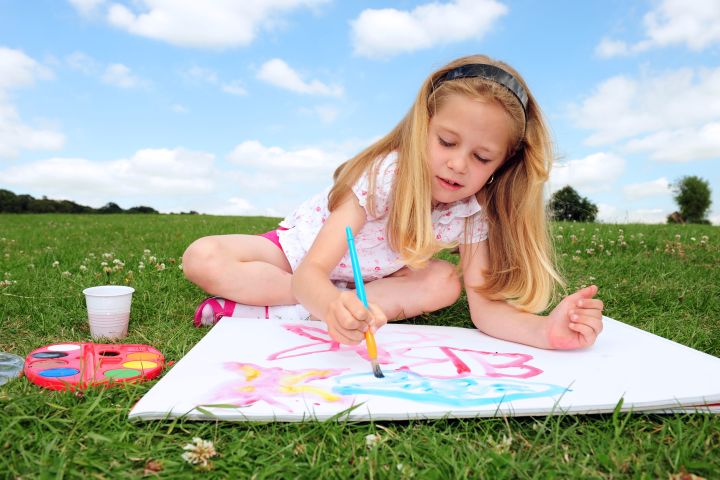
(467, 141)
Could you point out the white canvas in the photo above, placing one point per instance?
(271, 370)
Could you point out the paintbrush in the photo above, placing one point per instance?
(360, 290)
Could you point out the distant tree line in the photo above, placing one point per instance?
(12, 203)
(691, 193)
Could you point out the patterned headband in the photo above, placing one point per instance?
(489, 72)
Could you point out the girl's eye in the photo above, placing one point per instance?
(444, 143)
(481, 159)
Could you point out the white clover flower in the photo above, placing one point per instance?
(160, 267)
(107, 255)
(180, 267)
(83, 268)
(146, 252)
(103, 264)
(66, 273)
(372, 439)
(152, 259)
(199, 452)
(56, 263)
(141, 266)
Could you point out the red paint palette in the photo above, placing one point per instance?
(74, 366)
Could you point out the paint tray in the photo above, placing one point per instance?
(75, 366)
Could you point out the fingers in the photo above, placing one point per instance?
(587, 292)
(589, 335)
(378, 317)
(589, 304)
(586, 323)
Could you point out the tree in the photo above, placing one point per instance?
(567, 204)
(110, 207)
(692, 195)
(141, 209)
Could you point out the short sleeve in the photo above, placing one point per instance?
(382, 173)
(476, 229)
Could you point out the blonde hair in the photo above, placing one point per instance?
(521, 268)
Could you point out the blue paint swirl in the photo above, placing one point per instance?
(465, 391)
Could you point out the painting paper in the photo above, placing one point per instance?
(272, 370)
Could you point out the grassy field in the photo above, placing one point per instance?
(663, 279)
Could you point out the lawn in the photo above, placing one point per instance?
(662, 278)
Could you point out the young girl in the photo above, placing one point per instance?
(465, 167)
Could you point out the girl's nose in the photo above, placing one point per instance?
(456, 163)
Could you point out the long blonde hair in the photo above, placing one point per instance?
(521, 266)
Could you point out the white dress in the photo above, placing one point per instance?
(377, 259)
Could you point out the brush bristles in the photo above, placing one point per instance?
(376, 369)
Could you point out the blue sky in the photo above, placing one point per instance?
(233, 107)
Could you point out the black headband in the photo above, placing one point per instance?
(489, 72)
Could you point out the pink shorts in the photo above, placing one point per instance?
(272, 235)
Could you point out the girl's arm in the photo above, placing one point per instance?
(345, 315)
(574, 323)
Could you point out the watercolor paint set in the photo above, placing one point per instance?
(75, 366)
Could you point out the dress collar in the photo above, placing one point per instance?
(466, 207)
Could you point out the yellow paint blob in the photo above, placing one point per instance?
(250, 372)
(289, 385)
(292, 389)
(140, 365)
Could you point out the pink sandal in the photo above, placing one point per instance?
(218, 310)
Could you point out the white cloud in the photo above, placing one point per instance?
(160, 171)
(594, 173)
(16, 136)
(612, 48)
(326, 113)
(623, 107)
(311, 161)
(277, 72)
(83, 63)
(681, 145)
(387, 32)
(19, 70)
(87, 8)
(234, 88)
(653, 188)
(119, 75)
(695, 24)
(179, 108)
(232, 206)
(189, 23)
(201, 74)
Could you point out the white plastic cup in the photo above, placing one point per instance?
(108, 310)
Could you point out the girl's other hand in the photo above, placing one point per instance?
(576, 321)
(347, 318)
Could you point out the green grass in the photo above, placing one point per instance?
(663, 279)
